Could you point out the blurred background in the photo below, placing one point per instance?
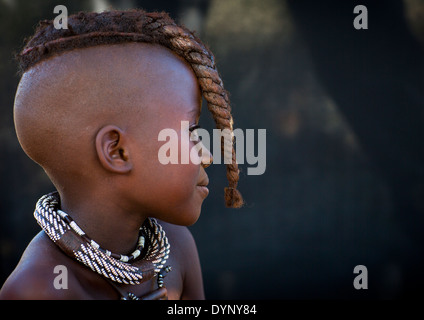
(343, 109)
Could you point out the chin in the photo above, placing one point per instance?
(185, 212)
(189, 218)
(185, 217)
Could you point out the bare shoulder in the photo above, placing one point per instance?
(184, 251)
(179, 235)
(183, 245)
(38, 274)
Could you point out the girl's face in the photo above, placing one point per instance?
(170, 192)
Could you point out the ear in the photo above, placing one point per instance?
(112, 149)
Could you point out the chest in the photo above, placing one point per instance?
(151, 290)
(98, 287)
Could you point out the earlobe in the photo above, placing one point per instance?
(112, 150)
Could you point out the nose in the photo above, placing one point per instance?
(207, 157)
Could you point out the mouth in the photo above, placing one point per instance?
(202, 187)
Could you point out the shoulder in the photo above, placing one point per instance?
(183, 245)
(180, 235)
(40, 275)
(184, 251)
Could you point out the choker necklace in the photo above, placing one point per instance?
(143, 264)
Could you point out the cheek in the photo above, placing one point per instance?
(179, 179)
(170, 190)
(176, 181)
(177, 199)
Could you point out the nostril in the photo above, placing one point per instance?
(207, 158)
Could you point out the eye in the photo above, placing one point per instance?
(194, 127)
(193, 133)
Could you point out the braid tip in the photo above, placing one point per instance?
(233, 198)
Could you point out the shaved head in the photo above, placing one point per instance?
(61, 103)
(90, 29)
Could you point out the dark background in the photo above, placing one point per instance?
(343, 109)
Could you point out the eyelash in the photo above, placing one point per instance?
(191, 129)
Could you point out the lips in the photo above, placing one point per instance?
(203, 183)
(201, 186)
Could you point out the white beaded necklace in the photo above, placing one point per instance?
(64, 231)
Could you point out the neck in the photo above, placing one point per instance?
(107, 222)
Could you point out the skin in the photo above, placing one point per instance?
(91, 118)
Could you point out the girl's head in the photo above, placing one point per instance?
(100, 91)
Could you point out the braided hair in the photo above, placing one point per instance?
(114, 27)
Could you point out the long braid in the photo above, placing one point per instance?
(91, 29)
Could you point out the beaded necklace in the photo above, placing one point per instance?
(147, 260)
